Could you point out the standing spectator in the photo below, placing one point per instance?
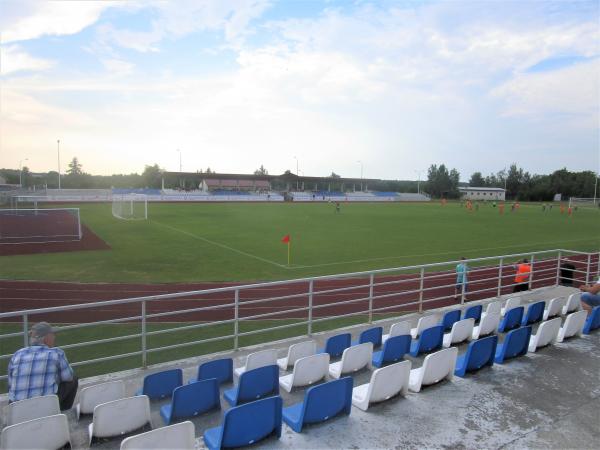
(41, 369)
(590, 296)
(461, 277)
(522, 276)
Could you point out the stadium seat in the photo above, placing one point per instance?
(258, 359)
(424, 323)
(372, 335)
(335, 345)
(92, 396)
(436, 367)
(494, 308)
(511, 320)
(555, 308)
(297, 351)
(515, 344)
(488, 325)
(246, 424)
(320, 403)
(180, 436)
(43, 433)
(191, 400)
(32, 408)
(307, 371)
(431, 339)
(593, 321)
(397, 329)
(547, 333)
(473, 312)
(393, 350)
(221, 369)
(353, 359)
(511, 303)
(254, 384)
(119, 417)
(461, 331)
(573, 304)
(161, 384)
(385, 383)
(449, 318)
(535, 313)
(480, 353)
(573, 325)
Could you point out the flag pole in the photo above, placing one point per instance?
(289, 249)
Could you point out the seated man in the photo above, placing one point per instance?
(590, 296)
(41, 369)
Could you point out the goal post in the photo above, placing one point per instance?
(584, 202)
(39, 225)
(130, 206)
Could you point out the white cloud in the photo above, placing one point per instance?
(118, 67)
(14, 59)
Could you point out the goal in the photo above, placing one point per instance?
(584, 202)
(130, 206)
(39, 225)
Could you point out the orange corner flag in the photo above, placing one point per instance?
(286, 239)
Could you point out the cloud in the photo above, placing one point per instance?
(14, 59)
(118, 67)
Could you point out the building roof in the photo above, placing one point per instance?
(481, 189)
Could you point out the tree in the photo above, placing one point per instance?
(477, 180)
(261, 171)
(334, 175)
(74, 167)
(208, 170)
(441, 183)
(151, 177)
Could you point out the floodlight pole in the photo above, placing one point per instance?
(296, 172)
(419, 181)
(361, 175)
(21, 172)
(58, 150)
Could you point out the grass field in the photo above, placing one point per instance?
(242, 242)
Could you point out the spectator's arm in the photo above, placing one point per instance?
(10, 369)
(66, 372)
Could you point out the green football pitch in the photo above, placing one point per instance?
(242, 242)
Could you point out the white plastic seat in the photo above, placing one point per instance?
(487, 325)
(258, 359)
(397, 329)
(424, 323)
(573, 304)
(44, 433)
(120, 416)
(172, 437)
(353, 359)
(494, 308)
(555, 307)
(573, 325)
(547, 333)
(92, 396)
(511, 303)
(436, 367)
(32, 408)
(307, 370)
(297, 351)
(385, 383)
(462, 330)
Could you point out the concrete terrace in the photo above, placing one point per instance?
(550, 399)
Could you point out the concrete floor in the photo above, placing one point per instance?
(549, 399)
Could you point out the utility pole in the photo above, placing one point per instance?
(361, 175)
(58, 150)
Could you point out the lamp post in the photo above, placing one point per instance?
(296, 172)
(419, 172)
(180, 166)
(361, 175)
(21, 172)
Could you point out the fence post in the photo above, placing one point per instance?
(531, 273)
(371, 280)
(587, 270)
(25, 330)
(310, 306)
(236, 323)
(421, 289)
(558, 268)
(500, 277)
(144, 348)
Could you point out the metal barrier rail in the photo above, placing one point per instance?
(545, 270)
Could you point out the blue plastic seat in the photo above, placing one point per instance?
(191, 400)
(336, 345)
(372, 335)
(535, 313)
(593, 321)
(516, 343)
(320, 403)
(473, 312)
(161, 384)
(221, 369)
(254, 384)
(480, 353)
(431, 339)
(394, 350)
(449, 318)
(512, 319)
(246, 424)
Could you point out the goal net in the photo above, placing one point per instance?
(39, 225)
(130, 206)
(584, 202)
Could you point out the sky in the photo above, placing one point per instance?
(386, 87)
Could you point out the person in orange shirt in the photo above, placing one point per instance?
(522, 276)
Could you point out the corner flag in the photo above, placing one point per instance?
(286, 240)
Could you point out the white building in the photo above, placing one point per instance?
(482, 193)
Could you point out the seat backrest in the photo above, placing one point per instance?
(438, 365)
(512, 302)
(573, 302)
(372, 335)
(92, 396)
(516, 342)
(489, 323)
(301, 350)
(481, 351)
(44, 433)
(426, 322)
(178, 436)
(556, 305)
(326, 400)
(494, 308)
(121, 416)
(257, 383)
(388, 381)
(32, 408)
(357, 357)
(261, 359)
(512, 318)
(535, 312)
(473, 312)
(396, 347)
(400, 328)
(574, 323)
(449, 318)
(246, 424)
(190, 399)
(221, 369)
(431, 338)
(162, 384)
(547, 332)
(309, 369)
(336, 345)
(462, 330)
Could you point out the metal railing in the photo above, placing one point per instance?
(304, 302)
